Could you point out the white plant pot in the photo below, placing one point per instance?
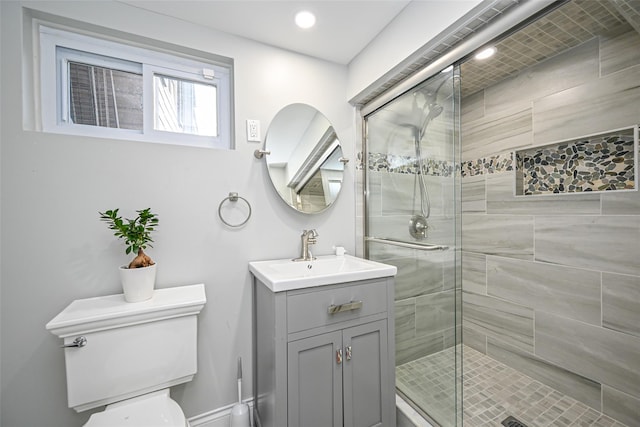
(138, 283)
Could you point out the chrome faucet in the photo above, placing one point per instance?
(308, 237)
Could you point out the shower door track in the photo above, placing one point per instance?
(420, 246)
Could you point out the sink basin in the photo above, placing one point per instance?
(284, 274)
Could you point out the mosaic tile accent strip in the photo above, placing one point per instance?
(499, 163)
(599, 163)
(492, 391)
(384, 162)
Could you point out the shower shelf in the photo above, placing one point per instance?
(410, 245)
(591, 164)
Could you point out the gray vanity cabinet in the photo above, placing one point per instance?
(314, 381)
(317, 369)
(338, 375)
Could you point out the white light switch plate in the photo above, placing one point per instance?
(253, 130)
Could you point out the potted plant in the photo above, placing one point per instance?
(138, 278)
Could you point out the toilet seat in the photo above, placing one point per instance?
(155, 409)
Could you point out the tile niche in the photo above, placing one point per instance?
(595, 163)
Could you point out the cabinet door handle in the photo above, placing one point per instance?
(339, 356)
(351, 305)
(348, 353)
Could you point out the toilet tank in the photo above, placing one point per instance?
(131, 348)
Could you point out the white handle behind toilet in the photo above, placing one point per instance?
(240, 411)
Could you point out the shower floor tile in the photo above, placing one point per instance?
(492, 391)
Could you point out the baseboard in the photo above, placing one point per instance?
(220, 417)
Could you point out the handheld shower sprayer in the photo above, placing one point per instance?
(418, 223)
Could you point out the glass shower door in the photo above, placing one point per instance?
(412, 221)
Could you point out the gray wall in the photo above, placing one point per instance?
(55, 250)
(418, 23)
(424, 291)
(552, 283)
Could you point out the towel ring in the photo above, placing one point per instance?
(233, 197)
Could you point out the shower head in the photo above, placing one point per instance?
(429, 92)
(418, 130)
(434, 111)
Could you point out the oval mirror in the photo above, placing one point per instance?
(305, 164)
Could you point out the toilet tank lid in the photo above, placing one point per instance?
(112, 311)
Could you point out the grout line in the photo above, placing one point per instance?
(533, 317)
(534, 237)
(601, 300)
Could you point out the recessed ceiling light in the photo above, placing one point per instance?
(305, 19)
(487, 53)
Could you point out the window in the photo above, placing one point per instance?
(100, 91)
(184, 106)
(103, 88)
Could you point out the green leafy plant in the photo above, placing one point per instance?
(135, 232)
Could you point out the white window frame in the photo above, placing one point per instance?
(107, 53)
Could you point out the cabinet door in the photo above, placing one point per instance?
(315, 381)
(365, 376)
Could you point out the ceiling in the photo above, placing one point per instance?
(343, 27)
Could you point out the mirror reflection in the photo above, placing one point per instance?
(305, 164)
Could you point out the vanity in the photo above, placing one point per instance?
(323, 343)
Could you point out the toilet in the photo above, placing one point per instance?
(127, 355)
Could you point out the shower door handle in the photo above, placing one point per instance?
(399, 243)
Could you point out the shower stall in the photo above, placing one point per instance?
(413, 222)
(506, 193)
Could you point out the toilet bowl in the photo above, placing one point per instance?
(132, 353)
(155, 409)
